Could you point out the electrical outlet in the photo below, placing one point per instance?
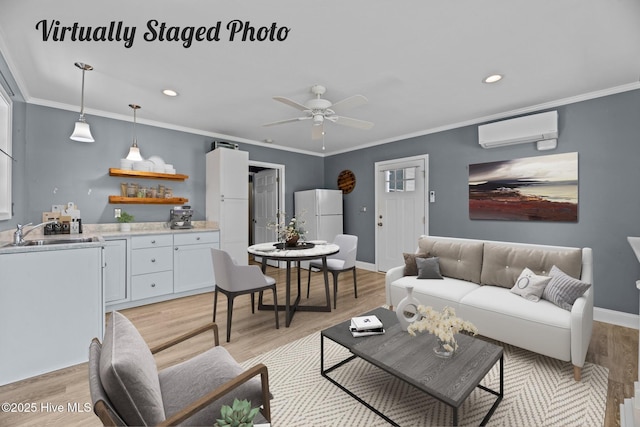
(432, 196)
(117, 212)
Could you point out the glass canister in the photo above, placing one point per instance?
(160, 191)
(132, 190)
(168, 193)
(123, 189)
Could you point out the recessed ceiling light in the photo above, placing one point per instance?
(493, 78)
(170, 92)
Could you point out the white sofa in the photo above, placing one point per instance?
(478, 276)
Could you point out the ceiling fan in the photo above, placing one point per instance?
(319, 110)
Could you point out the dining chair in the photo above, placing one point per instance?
(344, 260)
(127, 389)
(233, 280)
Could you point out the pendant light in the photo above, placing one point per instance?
(134, 151)
(82, 132)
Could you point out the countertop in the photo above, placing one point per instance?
(99, 233)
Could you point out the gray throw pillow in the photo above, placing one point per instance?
(530, 285)
(410, 267)
(563, 290)
(428, 268)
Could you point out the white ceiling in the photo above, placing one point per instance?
(419, 62)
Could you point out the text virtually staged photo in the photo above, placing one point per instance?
(363, 213)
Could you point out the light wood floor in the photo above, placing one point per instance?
(252, 334)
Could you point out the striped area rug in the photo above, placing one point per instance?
(539, 391)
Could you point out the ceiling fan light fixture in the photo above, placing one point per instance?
(493, 78)
(134, 151)
(318, 119)
(81, 131)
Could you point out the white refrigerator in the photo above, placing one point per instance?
(322, 213)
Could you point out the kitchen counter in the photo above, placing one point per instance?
(100, 233)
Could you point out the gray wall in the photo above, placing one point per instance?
(606, 134)
(52, 169)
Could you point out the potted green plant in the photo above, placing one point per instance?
(125, 219)
(239, 415)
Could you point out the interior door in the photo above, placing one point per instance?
(401, 209)
(265, 184)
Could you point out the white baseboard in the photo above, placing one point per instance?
(616, 317)
(366, 266)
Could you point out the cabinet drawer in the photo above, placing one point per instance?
(196, 238)
(151, 285)
(151, 241)
(151, 260)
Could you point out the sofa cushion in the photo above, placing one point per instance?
(129, 374)
(188, 381)
(428, 268)
(530, 286)
(410, 266)
(503, 263)
(460, 260)
(433, 292)
(563, 290)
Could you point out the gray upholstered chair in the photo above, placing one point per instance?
(344, 260)
(233, 280)
(127, 389)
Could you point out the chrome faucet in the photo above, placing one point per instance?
(18, 235)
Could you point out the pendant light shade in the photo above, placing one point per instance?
(134, 151)
(82, 132)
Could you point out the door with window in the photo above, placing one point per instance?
(402, 214)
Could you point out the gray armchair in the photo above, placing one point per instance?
(127, 389)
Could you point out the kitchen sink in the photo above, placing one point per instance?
(42, 242)
(54, 241)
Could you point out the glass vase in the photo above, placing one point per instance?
(441, 351)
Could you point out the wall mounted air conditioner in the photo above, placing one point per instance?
(532, 128)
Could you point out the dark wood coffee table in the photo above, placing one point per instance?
(412, 360)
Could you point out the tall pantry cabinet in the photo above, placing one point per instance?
(227, 199)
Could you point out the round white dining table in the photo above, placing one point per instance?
(303, 252)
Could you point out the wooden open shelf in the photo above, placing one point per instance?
(147, 175)
(148, 200)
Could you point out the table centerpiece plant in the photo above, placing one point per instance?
(241, 414)
(289, 232)
(444, 325)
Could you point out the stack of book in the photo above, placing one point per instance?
(364, 326)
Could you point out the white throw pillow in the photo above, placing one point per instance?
(530, 286)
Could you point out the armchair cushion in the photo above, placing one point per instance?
(188, 381)
(129, 374)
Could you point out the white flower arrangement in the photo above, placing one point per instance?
(286, 231)
(443, 324)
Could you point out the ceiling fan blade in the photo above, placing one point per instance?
(347, 121)
(350, 102)
(317, 131)
(279, 122)
(291, 103)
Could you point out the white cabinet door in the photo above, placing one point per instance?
(192, 267)
(115, 271)
(233, 172)
(51, 307)
(226, 199)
